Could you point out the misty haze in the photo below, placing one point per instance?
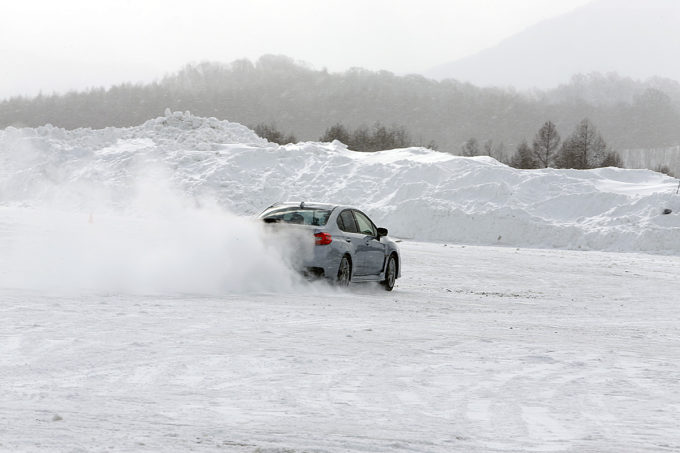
(523, 155)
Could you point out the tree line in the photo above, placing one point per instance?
(376, 138)
(278, 90)
(584, 148)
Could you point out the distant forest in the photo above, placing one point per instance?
(305, 102)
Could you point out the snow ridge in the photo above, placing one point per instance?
(415, 192)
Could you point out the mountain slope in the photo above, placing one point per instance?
(635, 38)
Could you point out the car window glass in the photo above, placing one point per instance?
(302, 216)
(341, 224)
(364, 224)
(346, 222)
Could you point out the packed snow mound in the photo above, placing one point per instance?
(415, 192)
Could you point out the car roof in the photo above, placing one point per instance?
(304, 204)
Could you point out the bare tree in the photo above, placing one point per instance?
(584, 148)
(665, 169)
(470, 148)
(545, 145)
(495, 151)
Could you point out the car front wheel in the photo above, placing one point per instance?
(390, 273)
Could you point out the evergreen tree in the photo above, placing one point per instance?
(612, 159)
(378, 138)
(524, 157)
(584, 148)
(272, 134)
(336, 132)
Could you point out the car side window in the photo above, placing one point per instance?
(340, 223)
(365, 225)
(346, 222)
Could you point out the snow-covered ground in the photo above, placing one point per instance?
(141, 309)
(478, 349)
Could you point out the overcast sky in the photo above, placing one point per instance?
(74, 44)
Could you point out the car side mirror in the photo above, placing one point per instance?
(382, 232)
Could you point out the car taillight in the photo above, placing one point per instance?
(322, 239)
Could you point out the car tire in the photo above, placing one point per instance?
(344, 272)
(390, 273)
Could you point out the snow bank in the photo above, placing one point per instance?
(416, 193)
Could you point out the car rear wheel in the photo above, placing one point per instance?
(390, 273)
(344, 272)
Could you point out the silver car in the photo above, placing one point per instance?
(348, 247)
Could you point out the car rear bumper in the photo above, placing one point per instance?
(324, 262)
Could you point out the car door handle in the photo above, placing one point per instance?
(348, 240)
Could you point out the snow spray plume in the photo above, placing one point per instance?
(154, 238)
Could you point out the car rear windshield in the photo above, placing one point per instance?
(297, 215)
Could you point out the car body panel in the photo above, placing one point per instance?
(368, 252)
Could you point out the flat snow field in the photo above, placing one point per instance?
(478, 349)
